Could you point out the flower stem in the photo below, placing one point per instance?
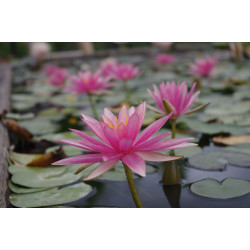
(132, 187)
(92, 104)
(173, 123)
(127, 91)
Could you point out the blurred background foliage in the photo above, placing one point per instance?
(20, 49)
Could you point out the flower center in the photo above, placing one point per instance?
(116, 125)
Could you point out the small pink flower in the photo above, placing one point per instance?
(177, 97)
(107, 66)
(88, 82)
(56, 76)
(203, 66)
(165, 59)
(50, 69)
(124, 72)
(119, 139)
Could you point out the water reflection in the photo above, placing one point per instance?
(173, 194)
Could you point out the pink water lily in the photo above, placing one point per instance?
(165, 59)
(88, 82)
(124, 72)
(203, 66)
(56, 76)
(120, 140)
(172, 97)
(107, 66)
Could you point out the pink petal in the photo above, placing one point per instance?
(101, 169)
(97, 130)
(135, 163)
(152, 129)
(109, 157)
(167, 144)
(125, 144)
(151, 141)
(123, 114)
(133, 127)
(87, 137)
(109, 115)
(157, 157)
(182, 145)
(78, 159)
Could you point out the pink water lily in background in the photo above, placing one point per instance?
(107, 66)
(56, 76)
(165, 59)
(203, 66)
(120, 140)
(124, 72)
(88, 82)
(177, 98)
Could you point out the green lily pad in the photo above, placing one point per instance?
(23, 190)
(57, 136)
(39, 126)
(51, 197)
(187, 152)
(213, 128)
(218, 159)
(229, 188)
(68, 150)
(23, 159)
(43, 177)
(19, 117)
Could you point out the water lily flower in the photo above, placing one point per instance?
(107, 66)
(174, 98)
(125, 72)
(203, 66)
(57, 76)
(88, 82)
(165, 59)
(120, 140)
(39, 50)
(50, 69)
(91, 84)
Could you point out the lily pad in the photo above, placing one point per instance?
(229, 188)
(213, 128)
(23, 190)
(43, 177)
(218, 159)
(39, 126)
(51, 197)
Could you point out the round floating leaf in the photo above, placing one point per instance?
(39, 126)
(23, 159)
(213, 128)
(229, 188)
(218, 159)
(51, 197)
(187, 152)
(43, 177)
(23, 190)
(68, 150)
